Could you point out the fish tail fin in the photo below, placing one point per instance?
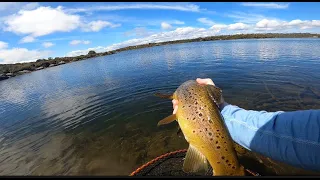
(195, 161)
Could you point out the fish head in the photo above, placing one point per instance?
(193, 100)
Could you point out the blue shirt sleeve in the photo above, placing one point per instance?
(291, 137)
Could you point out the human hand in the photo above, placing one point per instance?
(206, 81)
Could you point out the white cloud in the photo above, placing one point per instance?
(27, 39)
(177, 34)
(3, 45)
(76, 42)
(15, 55)
(86, 42)
(218, 27)
(267, 5)
(12, 6)
(247, 17)
(139, 31)
(84, 52)
(47, 44)
(96, 26)
(31, 6)
(176, 22)
(238, 26)
(272, 25)
(165, 26)
(206, 21)
(41, 21)
(46, 20)
(175, 6)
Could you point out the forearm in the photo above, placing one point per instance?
(290, 137)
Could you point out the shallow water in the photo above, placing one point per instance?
(99, 116)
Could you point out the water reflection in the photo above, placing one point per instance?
(268, 50)
(99, 116)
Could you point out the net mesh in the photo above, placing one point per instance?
(171, 164)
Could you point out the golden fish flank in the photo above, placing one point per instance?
(201, 123)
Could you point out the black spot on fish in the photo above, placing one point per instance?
(183, 106)
(217, 130)
(211, 139)
(229, 164)
(225, 142)
(193, 131)
(194, 118)
(217, 136)
(189, 105)
(233, 167)
(210, 133)
(200, 114)
(210, 121)
(218, 147)
(227, 160)
(216, 142)
(206, 129)
(205, 106)
(196, 102)
(226, 149)
(222, 157)
(218, 162)
(222, 137)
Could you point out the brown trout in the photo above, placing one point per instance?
(203, 128)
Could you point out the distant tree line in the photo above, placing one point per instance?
(44, 63)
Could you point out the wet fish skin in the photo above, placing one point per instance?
(202, 125)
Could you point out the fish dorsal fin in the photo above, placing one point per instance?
(165, 96)
(167, 120)
(215, 93)
(239, 149)
(195, 161)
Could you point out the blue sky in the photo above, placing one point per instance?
(30, 31)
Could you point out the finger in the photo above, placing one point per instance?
(175, 106)
(175, 109)
(174, 102)
(206, 81)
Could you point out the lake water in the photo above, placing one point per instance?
(99, 116)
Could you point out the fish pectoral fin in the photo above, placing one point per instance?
(195, 161)
(167, 120)
(239, 149)
(165, 96)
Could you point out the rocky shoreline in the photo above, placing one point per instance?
(11, 70)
